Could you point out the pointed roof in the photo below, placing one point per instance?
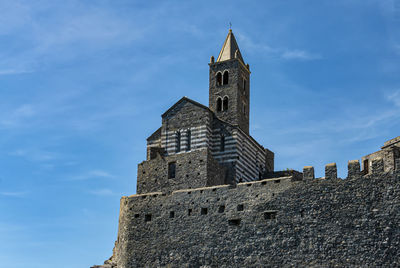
(229, 49)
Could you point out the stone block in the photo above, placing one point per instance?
(308, 173)
(397, 164)
(330, 171)
(377, 166)
(353, 169)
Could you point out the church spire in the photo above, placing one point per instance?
(230, 49)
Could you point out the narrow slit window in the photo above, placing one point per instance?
(189, 140)
(366, 166)
(171, 170)
(178, 141)
(222, 145)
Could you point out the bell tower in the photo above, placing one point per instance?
(229, 94)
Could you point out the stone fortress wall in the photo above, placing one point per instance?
(274, 222)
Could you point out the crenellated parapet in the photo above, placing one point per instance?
(354, 169)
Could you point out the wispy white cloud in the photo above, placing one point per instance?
(284, 53)
(299, 55)
(102, 192)
(70, 30)
(15, 194)
(34, 155)
(17, 116)
(394, 97)
(13, 71)
(92, 174)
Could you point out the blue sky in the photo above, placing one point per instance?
(83, 83)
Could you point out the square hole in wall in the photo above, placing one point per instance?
(234, 222)
(277, 181)
(204, 211)
(147, 217)
(270, 215)
(240, 207)
(221, 209)
(172, 214)
(137, 216)
(264, 183)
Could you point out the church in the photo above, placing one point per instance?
(208, 196)
(198, 146)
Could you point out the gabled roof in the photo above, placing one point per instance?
(229, 49)
(188, 100)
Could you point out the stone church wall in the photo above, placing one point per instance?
(276, 222)
(192, 170)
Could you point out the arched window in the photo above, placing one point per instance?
(219, 105)
(226, 78)
(225, 104)
(219, 79)
(189, 140)
(178, 141)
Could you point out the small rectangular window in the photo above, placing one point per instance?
(171, 170)
(204, 211)
(221, 209)
(189, 212)
(240, 207)
(270, 215)
(147, 217)
(234, 222)
(172, 214)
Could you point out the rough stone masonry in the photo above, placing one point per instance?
(269, 223)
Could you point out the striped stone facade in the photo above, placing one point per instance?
(221, 131)
(244, 158)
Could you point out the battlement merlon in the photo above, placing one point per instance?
(390, 153)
